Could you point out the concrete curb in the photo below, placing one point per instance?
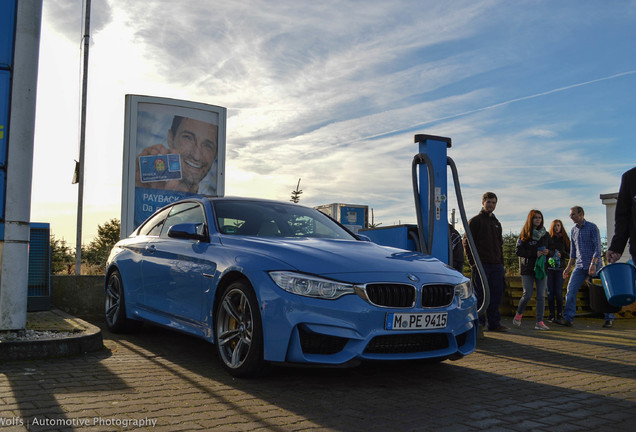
(89, 340)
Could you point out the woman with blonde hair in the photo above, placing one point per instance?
(533, 252)
(560, 247)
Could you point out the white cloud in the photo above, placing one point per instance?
(334, 91)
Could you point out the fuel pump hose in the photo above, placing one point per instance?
(418, 159)
(471, 242)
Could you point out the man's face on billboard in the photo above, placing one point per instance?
(196, 142)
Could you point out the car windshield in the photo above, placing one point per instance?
(270, 219)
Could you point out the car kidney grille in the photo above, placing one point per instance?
(391, 295)
(437, 295)
(407, 343)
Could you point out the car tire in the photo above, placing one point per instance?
(115, 306)
(238, 331)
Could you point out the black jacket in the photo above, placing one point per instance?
(487, 234)
(556, 243)
(625, 220)
(527, 253)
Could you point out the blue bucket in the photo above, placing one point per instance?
(619, 281)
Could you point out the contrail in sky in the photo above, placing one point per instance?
(560, 89)
(497, 105)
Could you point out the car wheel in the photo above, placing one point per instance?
(238, 331)
(115, 306)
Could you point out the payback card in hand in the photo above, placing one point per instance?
(160, 167)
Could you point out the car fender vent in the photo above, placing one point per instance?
(461, 339)
(391, 295)
(437, 295)
(317, 343)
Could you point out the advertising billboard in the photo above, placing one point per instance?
(172, 149)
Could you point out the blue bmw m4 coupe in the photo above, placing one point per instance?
(273, 282)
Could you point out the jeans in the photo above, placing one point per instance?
(555, 292)
(495, 275)
(577, 278)
(528, 282)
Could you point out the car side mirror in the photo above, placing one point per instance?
(186, 231)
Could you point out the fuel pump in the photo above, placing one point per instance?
(429, 191)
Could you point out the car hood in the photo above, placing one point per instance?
(338, 258)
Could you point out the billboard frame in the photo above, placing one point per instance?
(133, 196)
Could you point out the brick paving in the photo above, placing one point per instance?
(567, 379)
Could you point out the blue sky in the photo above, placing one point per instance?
(539, 98)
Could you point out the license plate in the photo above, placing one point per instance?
(416, 321)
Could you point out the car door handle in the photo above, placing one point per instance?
(151, 249)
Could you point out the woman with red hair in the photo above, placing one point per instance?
(560, 246)
(533, 252)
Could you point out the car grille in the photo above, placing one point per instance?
(437, 295)
(316, 343)
(407, 343)
(391, 295)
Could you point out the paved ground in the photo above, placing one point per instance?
(567, 379)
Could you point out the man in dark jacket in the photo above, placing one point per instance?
(625, 219)
(488, 237)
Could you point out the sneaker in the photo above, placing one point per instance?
(541, 326)
(517, 320)
(608, 323)
(551, 318)
(564, 322)
(500, 328)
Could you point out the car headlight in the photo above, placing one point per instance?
(310, 286)
(464, 290)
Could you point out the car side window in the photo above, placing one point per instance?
(187, 212)
(153, 226)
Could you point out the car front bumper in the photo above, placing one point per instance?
(299, 329)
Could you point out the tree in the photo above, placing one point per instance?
(511, 260)
(373, 224)
(295, 196)
(107, 235)
(62, 258)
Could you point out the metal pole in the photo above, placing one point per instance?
(80, 189)
(14, 249)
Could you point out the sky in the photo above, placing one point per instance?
(538, 98)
